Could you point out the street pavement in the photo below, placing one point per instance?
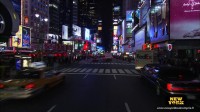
(95, 87)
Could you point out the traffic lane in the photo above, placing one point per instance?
(39, 103)
(89, 93)
(108, 94)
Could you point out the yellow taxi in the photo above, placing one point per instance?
(29, 82)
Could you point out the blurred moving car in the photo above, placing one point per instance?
(171, 80)
(29, 82)
(107, 57)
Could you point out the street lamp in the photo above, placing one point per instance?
(41, 32)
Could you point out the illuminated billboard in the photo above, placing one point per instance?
(87, 34)
(129, 29)
(143, 12)
(76, 30)
(17, 39)
(64, 32)
(129, 15)
(26, 37)
(185, 19)
(22, 38)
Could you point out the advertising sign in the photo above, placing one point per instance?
(144, 12)
(64, 32)
(185, 19)
(129, 15)
(139, 39)
(76, 30)
(87, 34)
(128, 29)
(17, 40)
(26, 37)
(52, 38)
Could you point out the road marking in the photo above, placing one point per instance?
(105, 74)
(89, 70)
(95, 70)
(51, 108)
(83, 70)
(72, 70)
(115, 77)
(134, 71)
(127, 107)
(67, 69)
(114, 71)
(107, 71)
(101, 70)
(121, 71)
(77, 70)
(127, 71)
(85, 76)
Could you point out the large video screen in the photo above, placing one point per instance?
(129, 15)
(76, 30)
(64, 32)
(185, 19)
(87, 34)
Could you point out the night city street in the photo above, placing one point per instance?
(99, 55)
(94, 87)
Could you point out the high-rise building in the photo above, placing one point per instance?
(54, 17)
(87, 16)
(34, 14)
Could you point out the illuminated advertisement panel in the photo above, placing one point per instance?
(128, 29)
(64, 32)
(17, 40)
(185, 19)
(87, 34)
(26, 37)
(139, 39)
(129, 15)
(143, 12)
(76, 30)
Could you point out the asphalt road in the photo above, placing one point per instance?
(95, 87)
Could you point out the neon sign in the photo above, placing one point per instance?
(192, 4)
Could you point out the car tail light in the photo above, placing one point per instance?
(1, 86)
(170, 87)
(30, 86)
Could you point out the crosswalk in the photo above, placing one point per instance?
(99, 71)
(99, 63)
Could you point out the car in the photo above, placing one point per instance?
(107, 57)
(171, 80)
(29, 82)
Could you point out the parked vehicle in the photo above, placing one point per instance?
(171, 80)
(144, 57)
(29, 82)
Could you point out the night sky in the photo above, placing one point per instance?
(104, 8)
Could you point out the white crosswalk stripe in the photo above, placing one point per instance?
(127, 71)
(95, 71)
(107, 71)
(111, 63)
(121, 71)
(114, 71)
(134, 71)
(100, 71)
(83, 70)
(89, 70)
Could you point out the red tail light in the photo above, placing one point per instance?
(30, 86)
(1, 86)
(170, 87)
